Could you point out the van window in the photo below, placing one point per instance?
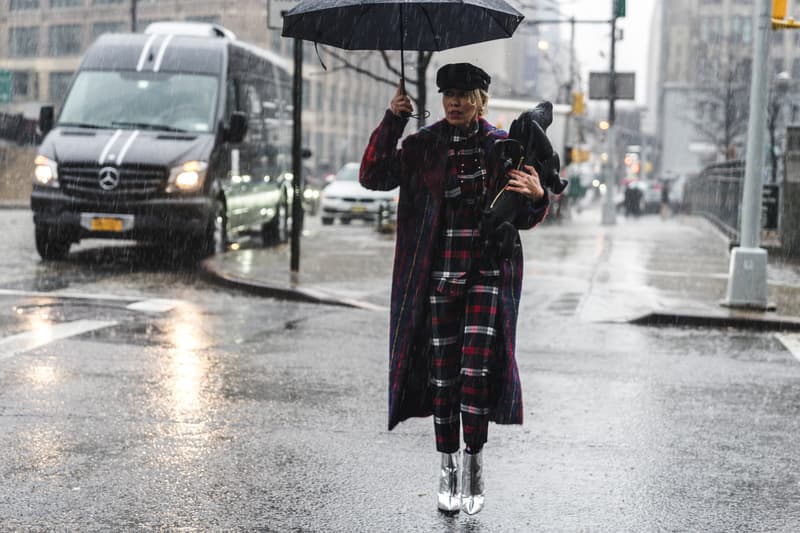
(147, 100)
(230, 98)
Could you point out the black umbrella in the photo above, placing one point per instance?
(426, 25)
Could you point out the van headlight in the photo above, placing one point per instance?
(188, 177)
(45, 171)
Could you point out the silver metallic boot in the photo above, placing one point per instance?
(449, 496)
(472, 496)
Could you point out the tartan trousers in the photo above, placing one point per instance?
(463, 339)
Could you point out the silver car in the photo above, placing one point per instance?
(346, 199)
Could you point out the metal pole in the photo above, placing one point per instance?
(571, 82)
(747, 284)
(133, 15)
(297, 155)
(609, 209)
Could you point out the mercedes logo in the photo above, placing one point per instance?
(109, 178)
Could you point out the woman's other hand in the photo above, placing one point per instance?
(401, 103)
(526, 182)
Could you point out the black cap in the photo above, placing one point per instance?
(462, 76)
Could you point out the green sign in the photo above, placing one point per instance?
(6, 82)
(619, 8)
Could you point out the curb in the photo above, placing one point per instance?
(15, 204)
(677, 319)
(281, 291)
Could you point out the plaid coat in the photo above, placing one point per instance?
(419, 169)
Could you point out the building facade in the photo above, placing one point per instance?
(704, 49)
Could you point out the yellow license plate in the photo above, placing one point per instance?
(106, 224)
(358, 209)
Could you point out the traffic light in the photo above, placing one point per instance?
(578, 104)
(779, 9)
(619, 7)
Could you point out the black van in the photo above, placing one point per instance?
(180, 135)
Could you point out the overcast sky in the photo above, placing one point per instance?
(593, 40)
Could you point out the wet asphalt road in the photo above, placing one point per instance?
(187, 406)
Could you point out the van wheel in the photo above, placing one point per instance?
(215, 241)
(50, 245)
(276, 231)
(327, 221)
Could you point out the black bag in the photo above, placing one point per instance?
(526, 142)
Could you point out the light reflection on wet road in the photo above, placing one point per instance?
(225, 411)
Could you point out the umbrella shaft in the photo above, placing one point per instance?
(402, 60)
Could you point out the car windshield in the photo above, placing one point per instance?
(144, 100)
(349, 172)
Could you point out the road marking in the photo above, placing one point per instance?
(22, 342)
(791, 342)
(133, 300)
(154, 305)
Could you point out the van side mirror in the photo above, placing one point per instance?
(237, 127)
(46, 119)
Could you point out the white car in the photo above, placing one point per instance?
(346, 199)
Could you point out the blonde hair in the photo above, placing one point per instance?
(480, 99)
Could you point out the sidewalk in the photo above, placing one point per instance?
(644, 270)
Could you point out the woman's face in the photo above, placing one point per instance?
(458, 110)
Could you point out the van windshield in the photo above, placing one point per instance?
(143, 100)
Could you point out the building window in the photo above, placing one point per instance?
(66, 3)
(23, 42)
(99, 28)
(65, 40)
(59, 84)
(24, 85)
(16, 5)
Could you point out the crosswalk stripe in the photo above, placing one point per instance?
(22, 342)
(791, 342)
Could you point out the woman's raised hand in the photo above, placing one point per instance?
(525, 182)
(401, 103)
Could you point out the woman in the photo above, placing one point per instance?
(454, 305)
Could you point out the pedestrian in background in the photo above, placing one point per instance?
(665, 209)
(453, 310)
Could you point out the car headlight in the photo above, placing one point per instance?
(45, 171)
(187, 177)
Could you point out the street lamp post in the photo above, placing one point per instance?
(609, 209)
(747, 283)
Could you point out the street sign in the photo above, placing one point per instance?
(275, 10)
(619, 8)
(625, 85)
(6, 85)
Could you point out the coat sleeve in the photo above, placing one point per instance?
(382, 163)
(533, 212)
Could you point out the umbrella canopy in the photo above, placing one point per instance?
(425, 25)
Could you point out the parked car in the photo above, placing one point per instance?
(346, 199)
(177, 135)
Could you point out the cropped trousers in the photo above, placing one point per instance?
(463, 335)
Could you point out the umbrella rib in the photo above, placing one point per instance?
(494, 17)
(433, 30)
(364, 9)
